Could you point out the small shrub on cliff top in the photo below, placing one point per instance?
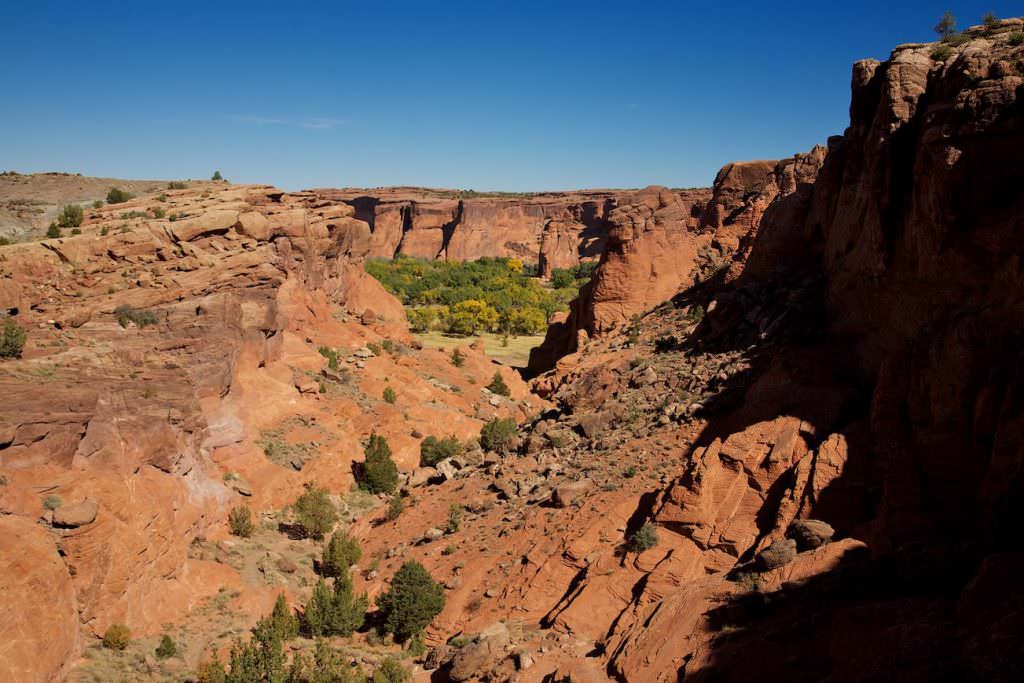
(498, 385)
(340, 553)
(71, 216)
(117, 637)
(947, 25)
(1016, 39)
(176, 185)
(53, 232)
(497, 433)
(118, 196)
(12, 340)
(52, 502)
(98, 204)
(458, 358)
(990, 21)
(315, 512)
(411, 603)
(389, 395)
(216, 176)
(942, 53)
(240, 521)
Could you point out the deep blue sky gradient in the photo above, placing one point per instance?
(484, 95)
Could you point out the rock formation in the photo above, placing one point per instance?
(169, 362)
(663, 241)
(552, 230)
(782, 436)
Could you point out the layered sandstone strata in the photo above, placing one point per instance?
(552, 229)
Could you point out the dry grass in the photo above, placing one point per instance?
(516, 354)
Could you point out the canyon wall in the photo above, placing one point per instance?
(662, 241)
(886, 404)
(552, 230)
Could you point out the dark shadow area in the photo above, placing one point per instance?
(922, 613)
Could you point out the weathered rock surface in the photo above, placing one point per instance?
(550, 229)
(171, 372)
(76, 514)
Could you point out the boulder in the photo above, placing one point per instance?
(446, 469)
(810, 533)
(566, 494)
(254, 224)
(777, 554)
(76, 514)
(593, 424)
(478, 657)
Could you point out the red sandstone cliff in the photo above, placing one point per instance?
(661, 242)
(553, 229)
(823, 422)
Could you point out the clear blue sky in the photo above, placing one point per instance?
(511, 95)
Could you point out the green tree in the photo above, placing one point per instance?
(946, 26)
(421, 319)
(496, 434)
(527, 320)
(317, 612)
(412, 601)
(315, 512)
(561, 278)
(71, 216)
(471, 316)
(378, 473)
(240, 521)
(12, 340)
(216, 176)
(282, 621)
(390, 670)
(335, 613)
(990, 21)
(458, 358)
(53, 232)
(498, 385)
(341, 552)
(434, 450)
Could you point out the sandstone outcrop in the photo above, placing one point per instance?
(551, 229)
(171, 371)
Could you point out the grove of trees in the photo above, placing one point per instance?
(487, 295)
